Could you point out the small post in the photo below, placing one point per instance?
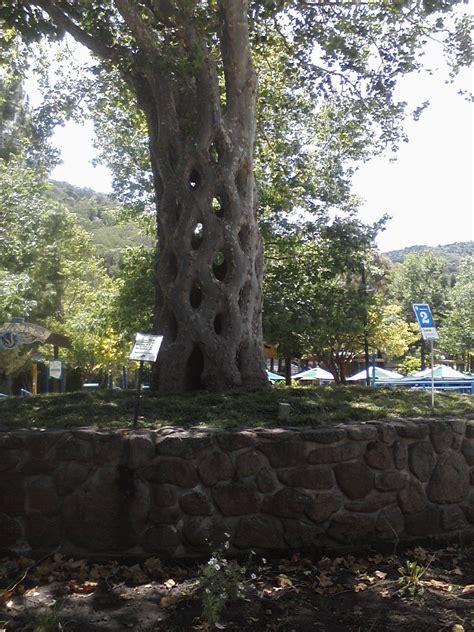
(56, 385)
(34, 378)
(137, 400)
(374, 358)
(283, 411)
(432, 374)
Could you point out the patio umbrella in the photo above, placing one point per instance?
(380, 374)
(440, 372)
(317, 373)
(274, 377)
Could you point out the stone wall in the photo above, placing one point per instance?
(169, 492)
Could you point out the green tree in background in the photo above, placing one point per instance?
(457, 330)
(421, 278)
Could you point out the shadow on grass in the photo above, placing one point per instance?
(310, 406)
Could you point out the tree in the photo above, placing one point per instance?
(315, 300)
(421, 278)
(457, 332)
(190, 67)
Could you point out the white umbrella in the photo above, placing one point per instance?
(440, 372)
(380, 374)
(317, 373)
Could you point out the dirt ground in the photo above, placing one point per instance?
(433, 592)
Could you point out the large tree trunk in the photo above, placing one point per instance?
(209, 262)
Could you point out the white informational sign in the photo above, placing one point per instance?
(425, 321)
(55, 369)
(146, 347)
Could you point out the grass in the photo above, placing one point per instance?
(310, 406)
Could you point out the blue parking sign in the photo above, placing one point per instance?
(425, 321)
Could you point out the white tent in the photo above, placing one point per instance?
(380, 375)
(313, 375)
(274, 377)
(440, 372)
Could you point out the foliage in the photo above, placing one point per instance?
(410, 578)
(457, 332)
(50, 622)
(101, 217)
(21, 133)
(453, 254)
(390, 334)
(132, 306)
(315, 297)
(219, 582)
(409, 365)
(421, 278)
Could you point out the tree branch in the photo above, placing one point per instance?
(143, 34)
(92, 43)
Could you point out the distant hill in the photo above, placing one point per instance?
(97, 214)
(452, 253)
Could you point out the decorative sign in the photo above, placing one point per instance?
(146, 347)
(27, 333)
(55, 369)
(425, 321)
(9, 340)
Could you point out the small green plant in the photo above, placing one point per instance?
(50, 622)
(220, 581)
(410, 579)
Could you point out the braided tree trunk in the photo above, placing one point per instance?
(209, 263)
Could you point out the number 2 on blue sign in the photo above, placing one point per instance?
(425, 319)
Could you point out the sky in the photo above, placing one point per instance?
(427, 190)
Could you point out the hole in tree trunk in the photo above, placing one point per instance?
(219, 266)
(194, 179)
(218, 320)
(198, 235)
(241, 180)
(217, 207)
(194, 369)
(238, 359)
(214, 153)
(244, 235)
(195, 296)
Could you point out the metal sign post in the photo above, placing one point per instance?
(145, 349)
(428, 332)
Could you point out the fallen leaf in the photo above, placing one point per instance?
(360, 587)
(380, 574)
(83, 587)
(468, 589)
(434, 583)
(457, 571)
(324, 580)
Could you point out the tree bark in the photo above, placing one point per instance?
(209, 261)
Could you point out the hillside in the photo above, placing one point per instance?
(452, 253)
(97, 213)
